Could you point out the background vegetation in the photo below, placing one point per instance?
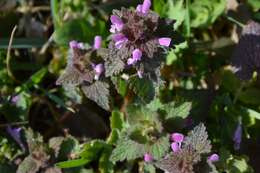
(58, 125)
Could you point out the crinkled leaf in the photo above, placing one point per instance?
(98, 92)
(143, 88)
(198, 140)
(141, 116)
(127, 149)
(55, 144)
(29, 165)
(159, 148)
(92, 149)
(114, 67)
(174, 110)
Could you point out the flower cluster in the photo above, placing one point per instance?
(177, 139)
(138, 36)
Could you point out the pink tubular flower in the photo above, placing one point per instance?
(76, 45)
(165, 41)
(213, 158)
(73, 44)
(177, 137)
(137, 54)
(99, 69)
(146, 6)
(119, 40)
(117, 23)
(97, 42)
(175, 146)
(130, 61)
(148, 157)
(139, 8)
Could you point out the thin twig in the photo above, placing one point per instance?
(8, 57)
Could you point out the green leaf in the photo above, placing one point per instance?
(159, 148)
(240, 165)
(155, 105)
(113, 137)
(121, 85)
(92, 149)
(68, 146)
(149, 168)
(72, 163)
(255, 4)
(28, 165)
(37, 77)
(114, 66)
(174, 110)
(252, 113)
(198, 139)
(105, 165)
(99, 93)
(73, 30)
(176, 11)
(117, 120)
(127, 149)
(250, 96)
(143, 88)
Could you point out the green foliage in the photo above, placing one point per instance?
(127, 149)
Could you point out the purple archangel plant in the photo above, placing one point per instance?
(187, 151)
(139, 40)
(138, 46)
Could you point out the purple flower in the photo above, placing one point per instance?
(130, 61)
(165, 41)
(140, 74)
(213, 158)
(177, 137)
(146, 6)
(15, 99)
(139, 8)
(175, 146)
(148, 157)
(119, 40)
(237, 137)
(16, 135)
(137, 54)
(99, 69)
(117, 24)
(73, 44)
(97, 42)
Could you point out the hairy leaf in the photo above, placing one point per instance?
(114, 67)
(29, 165)
(98, 92)
(127, 149)
(160, 147)
(144, 88)
(174, 110)
(198, 140)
